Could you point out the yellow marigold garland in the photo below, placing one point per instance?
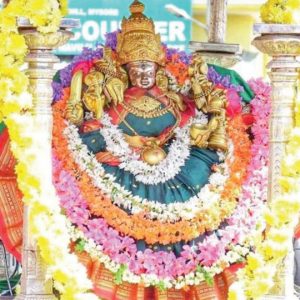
(28, 145)
(280, 11)
(281, 217)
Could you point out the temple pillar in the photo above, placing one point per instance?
(35, 284)
(216, 51)
(216, 20)
(282, 43)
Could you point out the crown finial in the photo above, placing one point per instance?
(137, 7)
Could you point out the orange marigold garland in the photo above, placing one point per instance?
(137, 226)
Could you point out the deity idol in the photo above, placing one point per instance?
(138, 165)
(140, 147)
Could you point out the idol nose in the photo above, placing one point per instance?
(144, 76)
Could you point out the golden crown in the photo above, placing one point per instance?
(137, 40)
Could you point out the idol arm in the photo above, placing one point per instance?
(211, 100)
(74, 112)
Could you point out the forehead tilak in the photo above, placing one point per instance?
(142, 65)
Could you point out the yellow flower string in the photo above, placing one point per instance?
(280, 11)
(29, 145)
(281, 216)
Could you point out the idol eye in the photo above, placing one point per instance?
(134, 73)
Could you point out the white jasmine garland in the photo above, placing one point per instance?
(207, 198)
(185, 89)
(173, 85)
(200, 118)
(130, 160)
(221, 155)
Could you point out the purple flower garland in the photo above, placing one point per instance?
(222, 80)
(65, 74)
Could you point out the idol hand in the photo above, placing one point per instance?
(114, 90)
(93, 97)
(74, 113)
(199, 96)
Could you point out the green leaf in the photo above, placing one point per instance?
(161, 286)
(80, 244)
(207, 276)
(119, 274)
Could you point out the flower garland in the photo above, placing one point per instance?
(135, 225)
(280, 11)
(134, 204)
(224, 81)
(233, 255)
(249, 209)
(242, 222)
(281, 217)
(123, 250)
(130, 160)
(46, 222)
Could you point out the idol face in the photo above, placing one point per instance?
(142, 73)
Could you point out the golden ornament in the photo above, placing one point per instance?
(153, 155)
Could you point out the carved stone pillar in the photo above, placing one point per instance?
(34, 283)
(225, 55)
(216, 51)
(282, 43)
(217, 20)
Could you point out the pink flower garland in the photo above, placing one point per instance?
(123, 250)
(254, 194)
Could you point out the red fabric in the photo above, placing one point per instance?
(135, 93)
(5, 238)
(3, 138)
(90, 125)
(235, 267)
(105, 294)
(83, 66)
(156, 92)
(115, 113)
(8, 232)
(189, 112)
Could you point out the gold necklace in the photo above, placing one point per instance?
(151, 153)
(123, 120)
(146, 107)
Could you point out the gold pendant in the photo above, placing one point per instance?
(146, 104)
(153, 155)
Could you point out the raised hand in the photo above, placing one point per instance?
(74, 113)
(114, 90)
(93, 98)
